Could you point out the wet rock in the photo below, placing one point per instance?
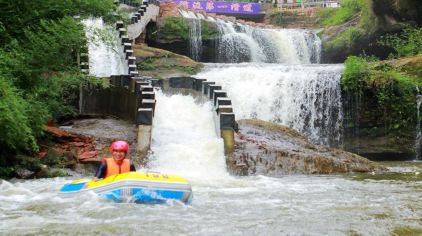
(24, 173)
(44, 172)
(270, 149)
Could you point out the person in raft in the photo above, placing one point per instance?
(117, 163)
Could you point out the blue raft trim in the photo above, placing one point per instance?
(140, 195)
(72, 187)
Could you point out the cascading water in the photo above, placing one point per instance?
(184, 140)
(106, 56)
(242, 43)
(418, 140)
(195, 36)
(304, 97)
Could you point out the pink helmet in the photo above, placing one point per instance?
(119, 146)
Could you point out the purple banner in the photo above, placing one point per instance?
(219, 7)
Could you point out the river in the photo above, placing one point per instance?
(185, 143)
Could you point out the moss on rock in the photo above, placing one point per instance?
(380, 106)
(160, 63)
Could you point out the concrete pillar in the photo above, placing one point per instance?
(138, 85)
(132, 68)
(129, 53)
(148, 103)
(225, 109)
(127, 46)
(211, 89)
(134, 73)
(125, 39)
(205, 86)
(219, 94)
(227, 122)
(197, 84)
(84, 65)
(148, 95)
(228, 138)
(134, 19)
(147, 88)
(223, 101)
(131, 60)
(119, 24)
(143, 144)
(122, 31)
(144, 116)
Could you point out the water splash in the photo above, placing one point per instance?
(106, 55)
(184, 140)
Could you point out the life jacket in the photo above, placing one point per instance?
(113, 168)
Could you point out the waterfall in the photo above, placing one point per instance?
(242, 43)
(418, 140)
(304, 97)
(106, 55)
(184, 140)
(195, 36)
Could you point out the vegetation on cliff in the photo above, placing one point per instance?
(382, 94)
(40, 45)
(176, 28)
(357, 25)
(160, 63)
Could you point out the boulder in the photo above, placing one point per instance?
(274, 150)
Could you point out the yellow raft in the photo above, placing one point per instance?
(139, 187)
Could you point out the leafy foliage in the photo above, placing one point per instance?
(408, 43)
(174, 28)
(14, 122)
(355, 73)
(387, 97)
(40, 41)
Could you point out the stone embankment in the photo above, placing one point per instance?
(274, 150)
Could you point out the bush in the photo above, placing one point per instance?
(355, 73)
(408, 43)
(15, 127)
(174, 28)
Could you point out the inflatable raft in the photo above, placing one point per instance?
(139, 187)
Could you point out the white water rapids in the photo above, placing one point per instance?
(185, 143)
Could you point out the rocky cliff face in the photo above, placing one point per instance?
(270, 149)
(380, 108)
(359, 35)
